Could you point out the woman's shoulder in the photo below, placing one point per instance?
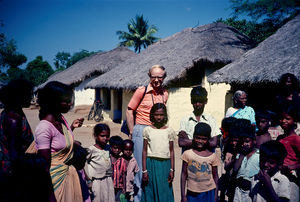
(230, 111)
(249, 108)
(44, 125)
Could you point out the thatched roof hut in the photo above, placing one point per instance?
(95, 64)
(278, 54)
(214, 43)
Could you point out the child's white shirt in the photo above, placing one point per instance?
(280, 183)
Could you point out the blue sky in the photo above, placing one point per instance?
(44, 27)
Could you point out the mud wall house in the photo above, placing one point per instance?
(189, 57)
(88, 68)
(259, 69)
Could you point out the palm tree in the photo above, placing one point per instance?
(139, 35)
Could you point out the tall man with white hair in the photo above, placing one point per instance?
(138, 114)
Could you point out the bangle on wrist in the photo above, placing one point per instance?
(144, 171)
(171, 169)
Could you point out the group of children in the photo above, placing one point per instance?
(252, 162)
(256, 167)
(109, 174)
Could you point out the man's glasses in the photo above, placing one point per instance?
(156, 77)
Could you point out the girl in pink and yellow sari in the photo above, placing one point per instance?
(54, 140)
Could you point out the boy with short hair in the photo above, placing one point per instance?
(131, 169)
(119, 167)
(270, 184)
(246, 166)
(263, 119)
(188, 123)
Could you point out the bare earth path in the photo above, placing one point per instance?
(84, 135)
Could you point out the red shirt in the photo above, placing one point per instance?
(292, 146)
(119, 171)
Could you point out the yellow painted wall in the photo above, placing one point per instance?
(178, 105)
(125, 100)
(219, 98)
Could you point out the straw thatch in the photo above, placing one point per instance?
(278, 54)
(95, 64)
(215, 42)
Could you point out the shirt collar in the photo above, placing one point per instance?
(193, 117)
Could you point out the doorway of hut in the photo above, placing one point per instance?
(117, 103)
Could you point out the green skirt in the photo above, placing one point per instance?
(158, 188)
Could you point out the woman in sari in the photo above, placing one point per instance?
(239, 109)
(15, 134)
(54, 140)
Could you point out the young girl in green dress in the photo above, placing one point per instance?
(158, 157)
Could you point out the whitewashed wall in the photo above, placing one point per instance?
(84, 96)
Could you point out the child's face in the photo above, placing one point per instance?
(127, 151)
(234, 142)
(115, 150)
(102, 138)
(247, 145)
(159, 116)
(286, 122)
(270, 165)
(200, 141)
(263, 124)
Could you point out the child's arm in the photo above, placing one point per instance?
(216, 179)
(183, 181)
(145, 177)
(229, 162)
(171, 173)
(238, 163)
(266, 180)
(183, 140)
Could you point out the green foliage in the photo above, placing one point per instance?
(64, 60)
(9, 57)
(61, 60)
(272, 10)
(271, 13)
(78, 56)
(3, 76)
(255, 31)
(140, 35)
(38, 70)
(16, 73)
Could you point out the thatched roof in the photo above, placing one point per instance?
(215, 42)
(278, 54)
(95, 64)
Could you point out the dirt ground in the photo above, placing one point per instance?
(84, 135)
